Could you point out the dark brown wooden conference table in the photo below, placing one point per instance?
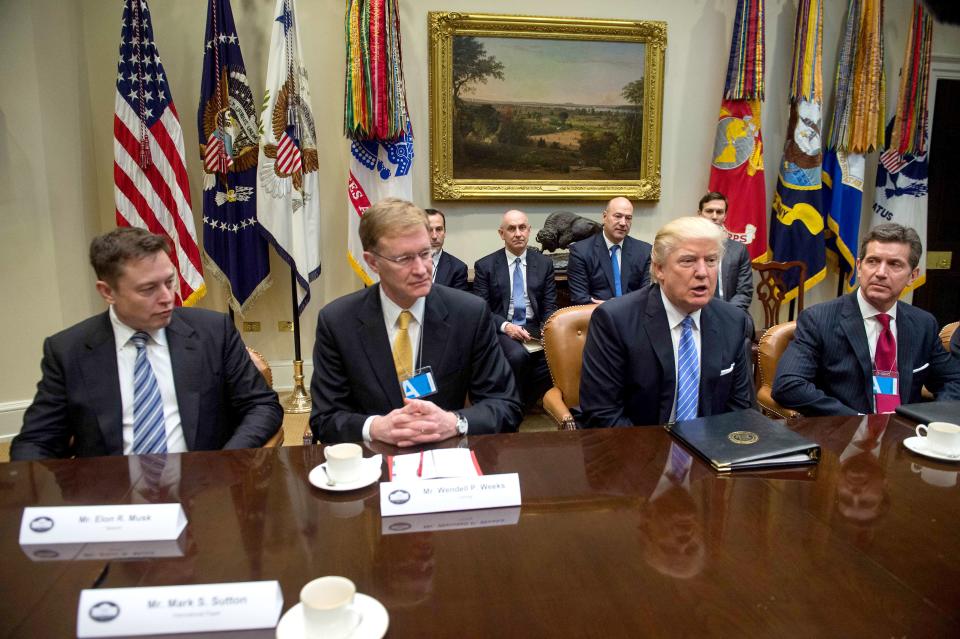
(606, 543)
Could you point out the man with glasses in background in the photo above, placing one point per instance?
(397, 361)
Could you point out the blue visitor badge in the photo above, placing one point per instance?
(420, 384)
(885, 385)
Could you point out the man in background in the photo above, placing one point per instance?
(610, 263)
(735, 278)
(447, 269)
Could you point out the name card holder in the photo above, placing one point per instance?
(110, 523)
(412, 497)
(436, 522)
(120, 612)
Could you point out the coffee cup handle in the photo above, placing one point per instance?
(924, 427)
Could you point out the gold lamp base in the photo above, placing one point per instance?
(298, 400)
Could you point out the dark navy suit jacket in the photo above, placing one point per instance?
(591, 275)
(827, 370)
(737, 275)
(491, 281)
(451, 272)
(354, 375)
(223, 399)
(629, 375)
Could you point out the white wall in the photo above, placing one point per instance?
(56, 145)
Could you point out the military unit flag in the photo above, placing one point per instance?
(797, 223)
(151, 190)
(737, 166)
(288, 197)
(375, 117)
(229, 144)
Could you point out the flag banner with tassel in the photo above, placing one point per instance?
(796, 222)
(902, 172)
(855, 130)
(737, 166)
(288, 197)
(151, 189)
(229, 145)
(375, 117)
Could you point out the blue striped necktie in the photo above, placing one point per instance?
(615, 265)
(149, 432)
(688, 373)
(519, 303)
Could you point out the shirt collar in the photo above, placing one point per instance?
(675, 315)
(122, 333)
(436, 256)
(511, 258)
(868, 310)
(391, 310)
(609, 243)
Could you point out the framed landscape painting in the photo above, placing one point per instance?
(537, 107)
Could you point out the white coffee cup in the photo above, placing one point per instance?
(941, 437)
(328, 610)
(344, 462)
(935, 477)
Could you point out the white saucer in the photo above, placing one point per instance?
(373, 625)
(369, 473)
(917, 445)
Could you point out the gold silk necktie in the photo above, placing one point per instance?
(402, 350)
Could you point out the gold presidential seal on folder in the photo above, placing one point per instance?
(743, 437)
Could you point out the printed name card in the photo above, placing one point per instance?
(89, 524)
(115, 550)
(412, 497)
(436, 522)
(160, 610)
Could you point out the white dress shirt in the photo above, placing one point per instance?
(436, 263)
(511, 265)
(674, 321)
(391, 313)
(872, 325)
(158, 354)
(610, 245)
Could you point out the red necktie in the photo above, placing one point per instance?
(885, 359)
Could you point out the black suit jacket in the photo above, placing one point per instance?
(591, 275)
(354, 376)
(223, 399)
(629, 375)
(451, 272)
(827, 370)
(491, 281)
(955, 344)
(737, 275)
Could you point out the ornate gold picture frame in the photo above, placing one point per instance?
(544, 108)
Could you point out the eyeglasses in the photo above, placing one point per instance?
(407, 260)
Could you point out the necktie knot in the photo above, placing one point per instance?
(884, 320)
(403, 322)
(140, 339)
(614, 249)
(687, 323)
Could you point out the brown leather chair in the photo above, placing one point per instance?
(946, 334)
(772, 344)
(264, 367)
(564, 335)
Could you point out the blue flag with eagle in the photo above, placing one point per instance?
(227, 125)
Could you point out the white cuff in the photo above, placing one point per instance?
(366, 428)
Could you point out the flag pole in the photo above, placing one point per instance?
(298, 400)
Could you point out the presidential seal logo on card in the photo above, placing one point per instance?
(743, 437)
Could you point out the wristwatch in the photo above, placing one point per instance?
(461, 424)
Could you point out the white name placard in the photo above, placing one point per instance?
(90, 524)
(436, 522)
(117, 550)
(114, 612)
(412, 497)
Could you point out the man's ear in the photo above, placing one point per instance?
(371, 261)
(105, 291)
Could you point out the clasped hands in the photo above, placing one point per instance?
(518, 333)
(418, 422)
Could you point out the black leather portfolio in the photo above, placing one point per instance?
(744, 439)
(926, 412)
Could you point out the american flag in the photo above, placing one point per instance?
(149, 168)
(892, 161)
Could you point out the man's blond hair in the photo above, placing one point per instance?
(390, 216)
(683, 229)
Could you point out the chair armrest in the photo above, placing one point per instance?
(768, 404)
(276, 441)
(553, 404)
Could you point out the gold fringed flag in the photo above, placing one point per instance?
(901, 195)
(796, 223)
(737, 166)
(375, 117)
(854, 131)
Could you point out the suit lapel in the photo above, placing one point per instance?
(102, 381)
(533, 275)
(658, 331)
(851, 323)
(626, 256)
(438, 276)
(905, 359)
(186, 362)
(603, 255)
(436, 333)
(376, 347)
(710, 363)
(502, 272)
